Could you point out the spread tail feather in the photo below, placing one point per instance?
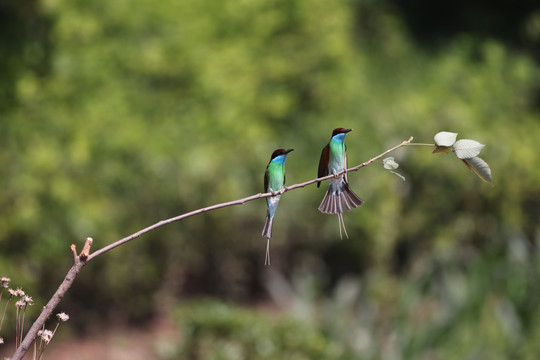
(267, 229)
(333, 201)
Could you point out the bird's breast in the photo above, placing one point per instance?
(336, 161)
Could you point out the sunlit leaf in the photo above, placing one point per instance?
(480, 167)
(445, 138)
(390, 164)
(467, 149)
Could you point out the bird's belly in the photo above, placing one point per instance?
(336, 166)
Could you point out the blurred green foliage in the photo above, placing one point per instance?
(147, 110)
(454, 305)
(24, 46)
(214, 330)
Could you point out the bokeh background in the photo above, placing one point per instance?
(117, 114)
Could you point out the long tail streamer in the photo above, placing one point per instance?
(342, 225)
(267, 257)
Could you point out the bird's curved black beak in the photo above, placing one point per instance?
(347, 130)
(288, 151)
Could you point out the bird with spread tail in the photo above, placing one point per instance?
(274, 180)
(339, 195)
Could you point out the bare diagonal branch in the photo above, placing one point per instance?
(237, 202)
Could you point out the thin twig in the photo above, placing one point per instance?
(420, 144)
(5, 308)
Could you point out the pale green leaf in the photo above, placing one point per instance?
(399, 175)
(445, 138)
(480, 167)
(467, 149)
(390, 164)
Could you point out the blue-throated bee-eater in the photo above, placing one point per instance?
(333, 160)
(274, 180)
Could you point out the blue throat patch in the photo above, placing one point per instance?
(339, 137)
(279, 159)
